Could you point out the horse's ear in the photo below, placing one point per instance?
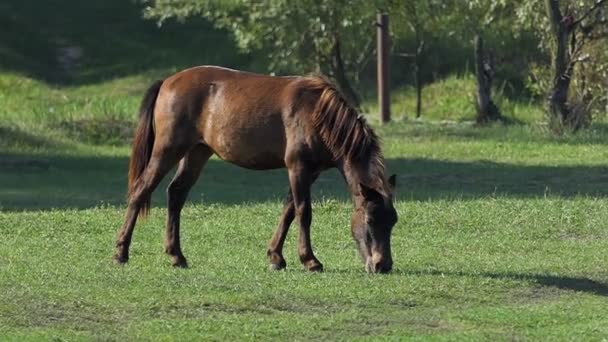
(369, 193)
(392, 181)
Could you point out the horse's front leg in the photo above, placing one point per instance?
(300, 180)
(275, 247)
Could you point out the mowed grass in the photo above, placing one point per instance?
(505, 268)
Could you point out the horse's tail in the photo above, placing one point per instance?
(143, 143)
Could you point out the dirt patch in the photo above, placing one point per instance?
(583, 238)
(537, 294)
(74, 315)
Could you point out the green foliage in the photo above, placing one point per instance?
(296, 36)
(589, 76)
(416, 16)
(71, 42)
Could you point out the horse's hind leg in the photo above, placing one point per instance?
(275, 247)
(160, 163)
(177, 192)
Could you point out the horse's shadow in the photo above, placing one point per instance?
(562, 282)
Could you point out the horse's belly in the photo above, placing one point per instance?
(257, 162)
(257, 146)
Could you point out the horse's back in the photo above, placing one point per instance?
(245, 118)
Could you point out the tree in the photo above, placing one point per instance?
(484, 69)
(570, 30)
(415, 16)
(333, 37)
(432, 24)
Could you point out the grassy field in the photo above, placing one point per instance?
(502, 232)
(501, 235)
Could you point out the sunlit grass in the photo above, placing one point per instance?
(453, 99)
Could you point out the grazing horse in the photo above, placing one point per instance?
(259, 122)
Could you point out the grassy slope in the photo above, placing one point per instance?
(453, 99)
(501, 233)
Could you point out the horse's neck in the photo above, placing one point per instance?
(354, 174)
(368, 171)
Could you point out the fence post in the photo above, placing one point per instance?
(383, 67)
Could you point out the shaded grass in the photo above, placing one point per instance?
(432, 161)
(108, 131)
(33, 182)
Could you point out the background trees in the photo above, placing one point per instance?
(574, 34)
(333, 37)
(541, 48)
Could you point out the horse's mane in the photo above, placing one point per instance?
(346, 133)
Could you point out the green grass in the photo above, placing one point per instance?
(453, 99)
(500, 271)
(501, 236)
(502, 231)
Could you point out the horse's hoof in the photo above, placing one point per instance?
(277, 262)
(120, 260)
(177, 261)
(277, 267)
(313, 266)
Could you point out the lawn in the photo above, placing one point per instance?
(501, 235)
(502, 230)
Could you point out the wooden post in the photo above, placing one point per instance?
(384, 100)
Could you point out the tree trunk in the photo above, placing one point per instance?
(418, 87)
(417, 72)
(562, 73)
(486, 109)
(337, 66)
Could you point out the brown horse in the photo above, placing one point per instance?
(259, 122)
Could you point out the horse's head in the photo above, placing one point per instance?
(372, 223)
